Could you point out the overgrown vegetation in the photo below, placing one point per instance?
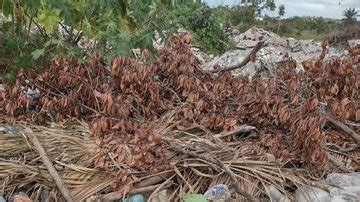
(33, 35)
(35, 32)
(202, 23)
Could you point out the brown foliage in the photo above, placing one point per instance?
(124, 100)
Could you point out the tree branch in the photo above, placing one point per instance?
(216, 161)
(252, 54)
(118, 195)
(49, 166)
(344, 127)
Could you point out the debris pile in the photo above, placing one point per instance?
(276, 50)
(172, 118)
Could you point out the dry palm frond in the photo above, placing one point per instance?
(71, 151)
(248, 160)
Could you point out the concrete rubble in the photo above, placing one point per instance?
(269, 56)
(340, 187)
(354, 42)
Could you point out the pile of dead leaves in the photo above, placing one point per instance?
(125, 100)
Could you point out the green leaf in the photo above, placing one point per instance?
(36, 54)
(49, 19)
(7, 7)
(24, 61)
(9, 77)
(68, 15)
(56, 42)
(194, 198)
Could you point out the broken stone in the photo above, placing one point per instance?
(268, 57)
(9, 129)
(354, 42)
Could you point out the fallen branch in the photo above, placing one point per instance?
(344, 127)
(252, 54)
(216, 161)
(337, 163)
(242, 129)
(340, 149)
(49, 166)
(153, 180)
(118, 195)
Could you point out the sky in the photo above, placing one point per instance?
(323, 8)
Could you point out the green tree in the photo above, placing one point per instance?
(350, 15)
(203, 23)
(281, 14)
(260, 5)
(114, 27)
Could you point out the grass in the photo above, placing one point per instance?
(305, 35)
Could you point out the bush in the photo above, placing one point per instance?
(33, 36)
(202, 23)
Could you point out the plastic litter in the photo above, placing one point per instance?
(32, 93)
(19, 197)
(9, 129)
(218, 192)
(135, 198)
(2, 198)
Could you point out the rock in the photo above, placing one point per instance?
(293, 45)
(354, 42)
(311, 194)
(160, 196)
(348, 185)
(268, 57)
(275, 195)
(218, 192)
(340, 179)
(2, 88)
(345, 187)
(200, 56)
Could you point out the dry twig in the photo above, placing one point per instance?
(220, 164)
(344, 127)
(242, 129)
(49, 166)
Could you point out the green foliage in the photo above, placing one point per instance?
(32, 36)
(202, 23)
(241, 14)
(33, 32)
(194, 198)
(281, 10)
(260, 5)
(350, 15)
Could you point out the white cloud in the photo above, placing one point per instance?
(324, 8)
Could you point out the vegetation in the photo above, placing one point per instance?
(36, 31)
(203, 24)
(32, 34)
(281, 14)
(350, 16)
